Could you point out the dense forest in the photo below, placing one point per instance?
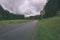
(6, 15)
(52, 7)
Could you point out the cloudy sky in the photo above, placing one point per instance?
(25, 7)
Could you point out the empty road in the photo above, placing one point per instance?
(23, 31)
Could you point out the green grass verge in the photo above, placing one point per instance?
(48, 29)
(5, 22)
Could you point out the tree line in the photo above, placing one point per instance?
(6, 15)
(51, 8)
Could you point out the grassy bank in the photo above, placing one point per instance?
(5, 22)
(48, 29)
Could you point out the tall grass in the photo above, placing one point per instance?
(48, 29)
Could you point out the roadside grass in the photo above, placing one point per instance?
(5, 22)
(48, 29)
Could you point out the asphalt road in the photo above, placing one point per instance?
(24, 31)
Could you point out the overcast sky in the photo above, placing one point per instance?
(26, 7)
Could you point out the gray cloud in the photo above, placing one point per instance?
(26, 7)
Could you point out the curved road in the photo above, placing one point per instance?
(24, 31)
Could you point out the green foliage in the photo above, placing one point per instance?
(51, 8)
(34, 17)
(6, 15)
(58, 4)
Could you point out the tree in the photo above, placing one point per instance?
(6, 15)
(51, 8)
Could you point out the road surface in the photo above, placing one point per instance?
(24, 31)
